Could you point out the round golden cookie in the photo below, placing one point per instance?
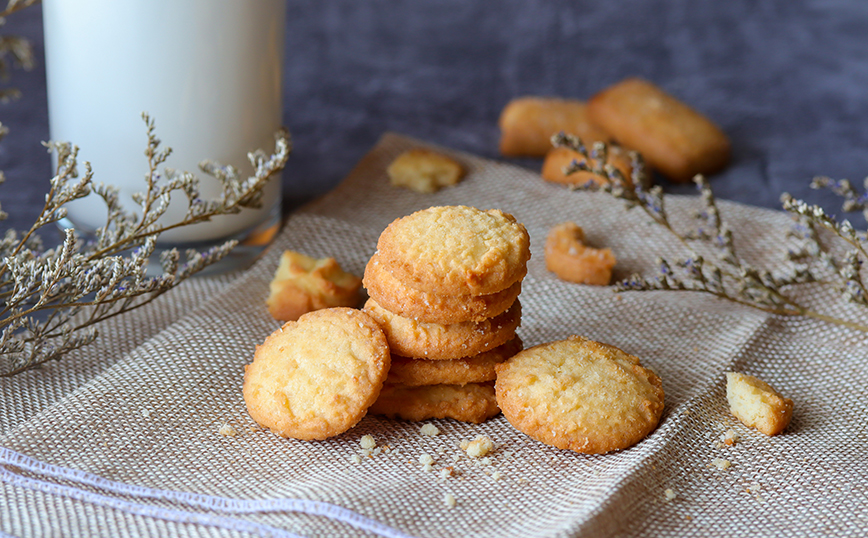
(473, 402)
(456, 250)
(411, 338)
(316, 377)
(408, 302)
(476, 369)
(580, 395)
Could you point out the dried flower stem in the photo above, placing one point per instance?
(52, 298)
(729, 277)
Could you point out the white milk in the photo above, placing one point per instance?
(207, 71)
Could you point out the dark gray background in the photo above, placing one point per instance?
(787, 80)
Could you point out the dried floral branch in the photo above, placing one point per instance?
(714, 266)
(52, 298)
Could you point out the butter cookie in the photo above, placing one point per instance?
(408, 302)
(473, 402)
(316, 377)
(456, 250)
(411, 338)
(476, 369)
(579, 395)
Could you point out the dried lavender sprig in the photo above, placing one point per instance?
(733, 280)
(54, 297)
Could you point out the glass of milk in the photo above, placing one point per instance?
(207, 71)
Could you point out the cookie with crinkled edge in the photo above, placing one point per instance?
(476, 369)
(408, 302)
(580, 395)
(456, 250)
(410, 338)
(473, 402)
(316, 377)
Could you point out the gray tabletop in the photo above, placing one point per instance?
(785, 79)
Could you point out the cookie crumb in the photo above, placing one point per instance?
(367, 441)
(479, 447)
(729, 438)
(227, 430)
(449, 500)
(146, 413)
(429, 430)
(496, 475)
(721, 463)
(669, 494)
(355, 458)
(446, 472)
(426, 459)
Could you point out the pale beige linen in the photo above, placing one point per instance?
(152, 418)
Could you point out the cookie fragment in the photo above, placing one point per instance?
(756, 404)
(303, 284)
(424, 171)
(580, 395)
(316, 377)
(571, 260)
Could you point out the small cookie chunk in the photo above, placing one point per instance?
(476, 369)
(424, 171)
(316, 377)
(559, 158)
(456, 250)
(757, 404)
(473, 402)
(527, 125)
(303, 284)
(570, 259)
(580, 395)
(394, 296)
(411, 338)
(672, 137)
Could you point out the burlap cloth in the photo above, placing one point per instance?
(135, 450)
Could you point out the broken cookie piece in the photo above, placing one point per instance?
(424, 171)
(570, 259)
(757, 404)
(303, 284)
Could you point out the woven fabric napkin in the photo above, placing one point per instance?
(137, 450)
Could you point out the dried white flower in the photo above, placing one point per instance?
(54, 297)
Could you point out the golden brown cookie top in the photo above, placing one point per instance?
(316, 377)
(456, 250)
(580, 395)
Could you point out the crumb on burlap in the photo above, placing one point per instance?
(227, 430)
(367, 441)
(479, 447)
(429, 430)
(721, 464)
(729, 437)
(449, 500)
(669, 494)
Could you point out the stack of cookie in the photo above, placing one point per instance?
(443, 286)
